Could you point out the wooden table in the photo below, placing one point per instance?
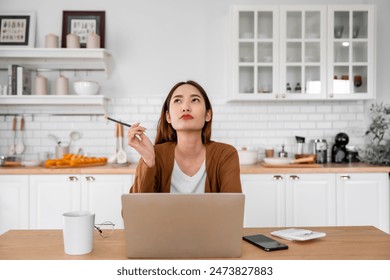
(341, 243)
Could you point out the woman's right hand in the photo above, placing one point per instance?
(141, 143)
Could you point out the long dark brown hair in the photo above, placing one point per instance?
(165, 131)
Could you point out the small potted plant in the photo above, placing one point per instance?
(377, 151)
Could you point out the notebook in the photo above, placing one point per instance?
(164, 225)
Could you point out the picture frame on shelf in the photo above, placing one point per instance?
(17, 29)
(83, 23)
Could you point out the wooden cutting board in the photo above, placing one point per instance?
(77, 166)
(292, 165)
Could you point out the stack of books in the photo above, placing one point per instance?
(19, 80)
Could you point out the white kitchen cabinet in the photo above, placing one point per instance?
(302, 52)
(295, 52)
(53, 195)
(14, 202)
(310, 200)
(103, 196)
(326, 199)
(50, 197)
(264, 200)
(255, 52)
(363, 199)
(351, 52)
(289, 200)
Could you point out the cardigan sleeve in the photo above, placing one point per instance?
(144, 180)
(223, 168)
(229, 172)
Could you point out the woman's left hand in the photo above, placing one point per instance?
(141, 143)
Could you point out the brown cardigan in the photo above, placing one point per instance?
(222, 169)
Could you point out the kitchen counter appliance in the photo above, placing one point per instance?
(321, 150)
(339, 149)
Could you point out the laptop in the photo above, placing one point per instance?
(164, 225)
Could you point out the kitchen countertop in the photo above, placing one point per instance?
(340, 243)
(245, 169)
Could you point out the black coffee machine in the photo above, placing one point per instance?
(339, 150)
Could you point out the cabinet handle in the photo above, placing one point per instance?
(278, 177)
(345, 177)
(73, 178)
(294, 177)
(331, 95)
(89, 178)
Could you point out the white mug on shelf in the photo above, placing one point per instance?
(62, 85)
(51, 41)
(40, 85)
(72, 41)
(93, 41)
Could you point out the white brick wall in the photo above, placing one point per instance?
(258, 124)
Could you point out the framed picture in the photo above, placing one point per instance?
(83, 23)
(17, 29)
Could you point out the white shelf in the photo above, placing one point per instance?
(58, 58)
(55, 104)
(54, 100)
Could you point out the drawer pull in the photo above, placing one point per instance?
(278, 177)
(345, 177)
(89, 178)
(294, 177)
(73, 178)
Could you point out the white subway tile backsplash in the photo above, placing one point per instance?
(307, 125)
(300, 117)
(316, 117)
(332, 117)
(324, 125)
(258, 124)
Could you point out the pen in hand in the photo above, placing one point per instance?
(122, 123)
(114, 120)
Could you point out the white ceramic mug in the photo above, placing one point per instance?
(72, 41)
(61, 151)
(62, 85)
(43, 156)
(51, 41)
(93, 41)
(40, 85)
(78, 232)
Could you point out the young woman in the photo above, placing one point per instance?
(183, 158)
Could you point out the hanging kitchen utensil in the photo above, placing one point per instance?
(121, 156)
(19, 149)
(74, 136)
(54, 138)
(113, 158)
(13, 145)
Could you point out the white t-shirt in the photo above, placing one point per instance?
(182, 183)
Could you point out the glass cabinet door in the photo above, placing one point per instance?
(302, 52)
(256, 64)
(351, 56)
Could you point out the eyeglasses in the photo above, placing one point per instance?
(105, 229)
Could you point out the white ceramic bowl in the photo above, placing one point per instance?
(247, 156)
(30, 163)
(277, 160)
(86, 87)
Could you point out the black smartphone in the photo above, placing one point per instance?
(264, 242)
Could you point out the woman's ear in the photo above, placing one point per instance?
(208, 115)
(168, 117)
